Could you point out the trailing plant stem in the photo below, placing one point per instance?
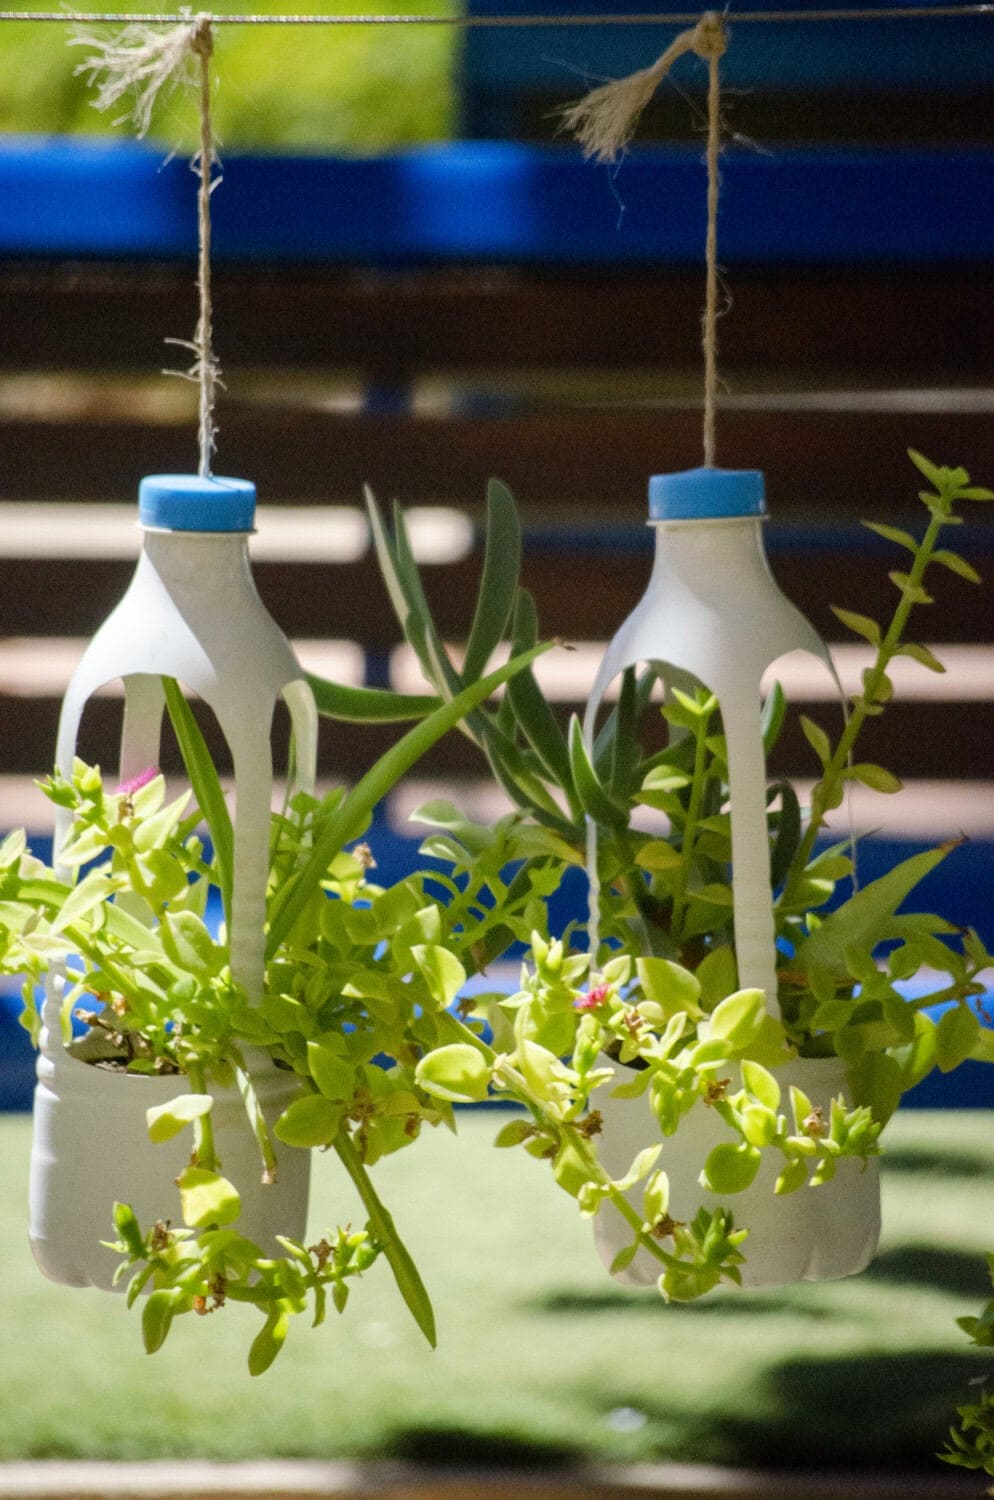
(513, 1080)
(835, 769)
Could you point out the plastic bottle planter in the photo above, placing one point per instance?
(713, 613)
(192, 613)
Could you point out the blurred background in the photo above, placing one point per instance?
(418, 284)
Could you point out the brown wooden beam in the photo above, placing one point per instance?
(919, 322)
(834, 465)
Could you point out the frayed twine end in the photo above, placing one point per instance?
(605, 120)
(139, 61)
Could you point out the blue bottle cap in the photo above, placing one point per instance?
(706, 495)
(187, 502)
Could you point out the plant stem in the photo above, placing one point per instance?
(516, 1085)
(690, 826)
(405, 1272)
(834, 772)
(203, 1127)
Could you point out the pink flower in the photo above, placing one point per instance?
(592, 998)
(128, 788)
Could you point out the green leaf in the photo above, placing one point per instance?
(955, 1037)
(625, 747)
(531, 711)
(347, 822)
(166, 1120)
(669, 985)
(859, 624)
(499, 583)
(514, 1133)
(623, 1259)
(157, 1316)
(773, 715)
(594, 797)
(442, 971)
(863, 921)
(736, 1018)
(731, 1169)
(153, 832)
(956, 564)
(931, 471)
(127, 1227)
(894, 534)
(269, 1340)
(658, 855)
(878, 1081)
(207, 1198)
(330, 1067)
(206, 786)
(386, 558)
(310, 1121)
(92, 891)
(458, 1072)
(717, 976)
(188, 942)
(793, 1176)
(921, 654)
(875, 777)
(788, 835)
(761, 1084)
(817, 739)
(366, 705)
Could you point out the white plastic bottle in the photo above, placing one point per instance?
(713, 613)
(192, 613)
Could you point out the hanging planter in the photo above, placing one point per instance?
(711, 1077)
(712, 621)
(192, 616)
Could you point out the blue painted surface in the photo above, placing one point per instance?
(908, 54)
(501, 202)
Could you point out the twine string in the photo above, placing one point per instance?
(207, 370)
(715, 39)
(604, 122)
(136, 65)
(480, 23)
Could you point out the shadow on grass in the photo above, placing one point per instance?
(884, 1411)
(736, 1304)
(955, 1271)
(944, 1164)
(464, 1447)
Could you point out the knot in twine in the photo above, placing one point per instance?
(604, 121)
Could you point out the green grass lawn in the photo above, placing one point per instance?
(541, 1358)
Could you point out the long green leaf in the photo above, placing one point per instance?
(596, 801)
(351, 815)
(426, 640)
(206, 786)
(625, 749)
(366, 705)
(405, 1272)
(788, 834)
(532, 713)
(499, 581)
(386, 558)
